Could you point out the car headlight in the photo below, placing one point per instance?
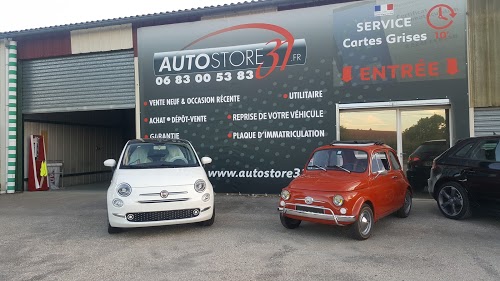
(200, 186)
(338, 200)
(124, 189)
(285, 194)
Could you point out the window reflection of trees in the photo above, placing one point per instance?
(387, 137)
(426, 128)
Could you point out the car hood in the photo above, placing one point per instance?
(160, 177)
(328, 181)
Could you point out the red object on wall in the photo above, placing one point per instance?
(44, 46)
(36, 158)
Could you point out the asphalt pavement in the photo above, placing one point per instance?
(62, 235)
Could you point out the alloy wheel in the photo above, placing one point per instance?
(451, 201)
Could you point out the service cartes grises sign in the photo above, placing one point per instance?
(257, 93)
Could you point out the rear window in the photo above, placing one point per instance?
(431, 147)
(463, 151)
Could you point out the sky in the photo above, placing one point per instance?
(26, 14)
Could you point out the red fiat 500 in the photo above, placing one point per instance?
(347, 183)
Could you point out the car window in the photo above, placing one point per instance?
(394, 162)
(349, 159)
(486, 150)
(462, 152)
(497, 153)
(437, 147)
(380, 162)
(158, 155)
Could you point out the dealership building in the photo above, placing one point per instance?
(255, 85)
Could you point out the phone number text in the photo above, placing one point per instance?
(204, 78)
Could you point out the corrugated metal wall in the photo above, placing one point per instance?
(82, 149)
(79, 83)
(484, 52)
(486, 121)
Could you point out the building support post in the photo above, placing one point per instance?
(12, 117)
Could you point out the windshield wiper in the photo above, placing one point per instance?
(340, 167)
(319, 167)
(135, 167)
(165, 165)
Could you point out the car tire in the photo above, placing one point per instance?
(289, 222)
(362, 228)
(114, 230)
(404, 211)
(453, 201)
(210, 221)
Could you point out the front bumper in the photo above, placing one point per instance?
(431, 182)
(322, 214)
(157, 214)
(430, 185)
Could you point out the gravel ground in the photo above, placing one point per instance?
(62, 235)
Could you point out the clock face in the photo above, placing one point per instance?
(441, 16)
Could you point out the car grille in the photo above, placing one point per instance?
(309, 209)
(163, 215)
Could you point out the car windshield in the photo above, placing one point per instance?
(341, 159)
(158, 155)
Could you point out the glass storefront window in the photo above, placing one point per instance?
(377, 125)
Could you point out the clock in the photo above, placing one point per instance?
(441, 16)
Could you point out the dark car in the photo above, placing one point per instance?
(420, 162)
(467, 175)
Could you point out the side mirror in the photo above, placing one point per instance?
(110, 163)
(206, 160)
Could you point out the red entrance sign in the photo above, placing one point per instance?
(421, 69)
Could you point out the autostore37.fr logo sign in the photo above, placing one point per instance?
(263, 57)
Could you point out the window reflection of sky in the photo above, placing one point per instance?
(384, 120)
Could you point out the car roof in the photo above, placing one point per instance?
(434, 141)
(495, 137)
(486, 137)
(365, 145)
(133, 141)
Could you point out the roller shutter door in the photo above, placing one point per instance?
(486, 121)
(100, 81)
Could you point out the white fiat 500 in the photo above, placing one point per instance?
(159, 182)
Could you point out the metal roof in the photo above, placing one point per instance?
(174, 15)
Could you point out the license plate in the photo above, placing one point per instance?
(310, 209)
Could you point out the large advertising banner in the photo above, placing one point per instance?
(258, 93)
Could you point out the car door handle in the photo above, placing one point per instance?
(394, 177)
(468, 172)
